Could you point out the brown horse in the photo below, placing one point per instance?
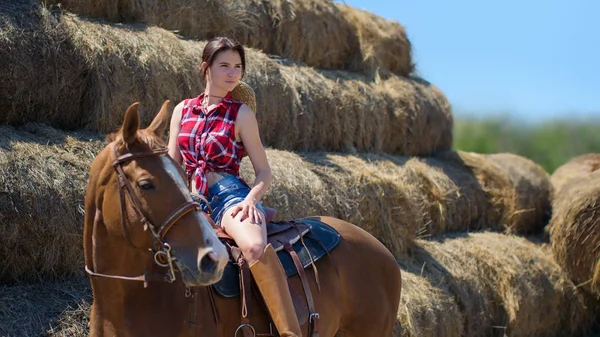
(151, 255)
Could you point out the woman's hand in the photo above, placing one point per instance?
(248, 210)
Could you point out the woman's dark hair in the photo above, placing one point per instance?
(217, 45)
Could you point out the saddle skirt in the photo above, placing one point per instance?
(310, 238)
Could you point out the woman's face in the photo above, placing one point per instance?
(226, 70)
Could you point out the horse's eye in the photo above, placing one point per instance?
(145, 184)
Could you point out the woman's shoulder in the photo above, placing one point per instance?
(191, 102)
(244, 111)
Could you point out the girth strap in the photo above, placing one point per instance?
(313, 318)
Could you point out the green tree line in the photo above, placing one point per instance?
(549, 143)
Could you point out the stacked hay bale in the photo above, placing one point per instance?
(321, 34)
(43, 177)
(92, 71)
(396, 198)
(363, 108)
(488, 284)
(575, 225)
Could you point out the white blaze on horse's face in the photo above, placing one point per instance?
(214, 249)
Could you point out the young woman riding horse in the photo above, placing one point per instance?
(210, 134)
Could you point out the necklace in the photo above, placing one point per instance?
(205, 100)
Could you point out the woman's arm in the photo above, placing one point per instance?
(174, 132)
(247, 128)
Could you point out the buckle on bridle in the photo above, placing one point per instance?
(163, 258)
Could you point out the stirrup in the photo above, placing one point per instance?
(242, 326)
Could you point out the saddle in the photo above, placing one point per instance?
(299, 244)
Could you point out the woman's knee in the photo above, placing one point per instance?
(252, 249)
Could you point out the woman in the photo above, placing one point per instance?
(210, 134)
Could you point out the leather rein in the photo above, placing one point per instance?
(162, 249)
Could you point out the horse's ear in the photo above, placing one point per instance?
(159, 123)
(131, 123)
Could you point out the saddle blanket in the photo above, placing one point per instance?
(320, 240)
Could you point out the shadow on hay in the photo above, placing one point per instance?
(57, 308)
(42, 134)
(470, 304)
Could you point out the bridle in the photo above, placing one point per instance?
(162, 249)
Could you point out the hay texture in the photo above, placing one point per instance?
(57, 308)
(533, 203)
(426, 310)
(500, 285)
(575, 229)
(395, 198)
(321, 34)
(43, 177)
(85, 74)
(337, 185)
(579, 167)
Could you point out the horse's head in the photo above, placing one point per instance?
(144, 213)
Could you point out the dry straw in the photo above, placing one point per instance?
(44, 173)
(577, 168)
(501, 285)
(43, 176)
(340, 186)
(57, 308)
(321, 34)
(426, 310)
(533, 192)
(575, 225)
(91, 72)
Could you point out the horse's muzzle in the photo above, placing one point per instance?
(205, 268)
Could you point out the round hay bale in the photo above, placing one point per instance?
(295, 191)
(495, 183)
(43, 177)
(575, 231)
(316, 33)
(449, 196)
(347, 187)
(503, 285)
(422, 117)
(425, 310)
(533, 206)
(576, 168)
(298, 107)
(383, 44)
(194, 19)
(128, 64)
(44, 75)
(298, 30)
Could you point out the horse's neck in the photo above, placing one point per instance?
(161, 309)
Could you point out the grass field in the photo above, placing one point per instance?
(548, 143)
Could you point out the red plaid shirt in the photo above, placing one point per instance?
(207, 140)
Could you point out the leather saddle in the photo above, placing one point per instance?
(299, 244)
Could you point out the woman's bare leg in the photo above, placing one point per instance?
(250, 237)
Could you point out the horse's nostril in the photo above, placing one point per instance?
(208, 264)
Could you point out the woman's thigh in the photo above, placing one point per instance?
(250, 237)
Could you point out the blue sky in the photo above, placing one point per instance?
(535, 59)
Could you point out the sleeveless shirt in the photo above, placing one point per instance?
(207, 140)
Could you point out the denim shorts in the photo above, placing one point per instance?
(226, 193)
